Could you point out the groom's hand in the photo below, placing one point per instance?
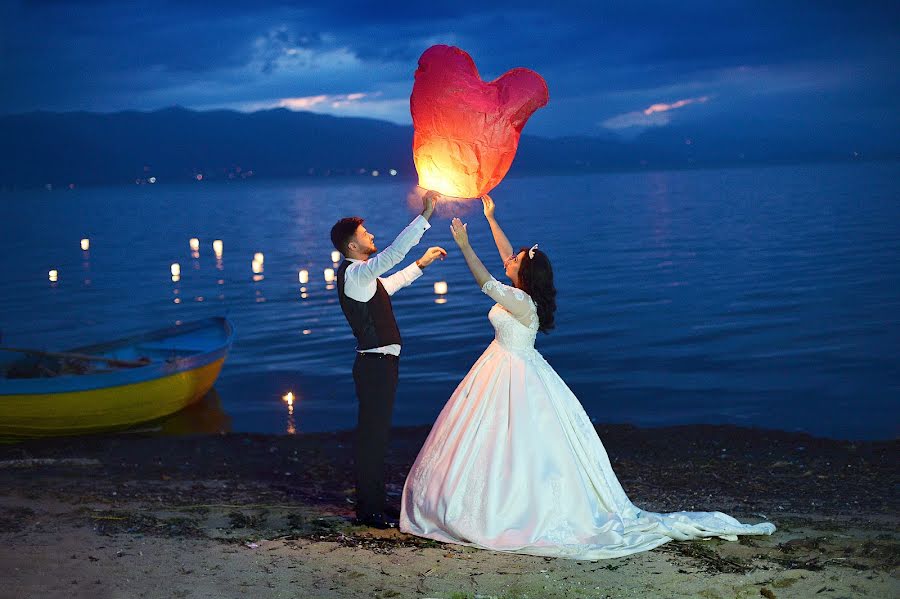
(429, 201)
(430, 255)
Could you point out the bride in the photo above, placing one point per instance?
(513, 462)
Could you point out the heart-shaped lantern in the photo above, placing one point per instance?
(466, 130)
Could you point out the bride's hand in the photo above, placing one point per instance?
(488, 206)
(460, 233)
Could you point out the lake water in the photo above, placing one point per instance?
(755, 296)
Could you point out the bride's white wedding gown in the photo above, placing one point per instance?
(513, 463)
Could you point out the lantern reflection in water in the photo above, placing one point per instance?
(289, 400)
(440, 288)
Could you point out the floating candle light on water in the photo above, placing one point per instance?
(85, 244)
(304, 277)
(195, 244)
(258, 257)
(54, 275)
(335, 256)
(257, 267)
(217, 247)
(289, 398)
(440, 288)
(329, 275)
(176, 269)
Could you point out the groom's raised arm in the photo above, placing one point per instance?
(401, 279)
(364, 273)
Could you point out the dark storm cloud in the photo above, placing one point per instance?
(602, 60)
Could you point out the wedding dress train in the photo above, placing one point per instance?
(513, 463)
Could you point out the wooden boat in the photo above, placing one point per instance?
(168, 369)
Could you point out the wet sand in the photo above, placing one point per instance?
(241, 515)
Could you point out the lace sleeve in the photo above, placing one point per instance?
(516, 301)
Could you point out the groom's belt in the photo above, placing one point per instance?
(377, 355)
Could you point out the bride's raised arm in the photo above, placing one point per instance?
(461, 236)
(514, 300)
(503, 245)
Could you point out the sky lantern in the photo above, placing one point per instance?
(466, 130)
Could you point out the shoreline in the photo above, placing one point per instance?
(236, 514)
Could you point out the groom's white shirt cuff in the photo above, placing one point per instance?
(361, 275)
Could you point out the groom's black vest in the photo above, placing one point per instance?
(373, 322)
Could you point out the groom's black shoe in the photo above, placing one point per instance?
(379, 521)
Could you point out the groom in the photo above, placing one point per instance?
(365, 300)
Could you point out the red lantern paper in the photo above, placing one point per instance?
(466, 130)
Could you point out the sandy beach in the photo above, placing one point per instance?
(242, 515)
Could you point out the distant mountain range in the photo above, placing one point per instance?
(175, 144)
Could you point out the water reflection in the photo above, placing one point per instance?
(86, 264)
(440, 289)
(203, 417)
(289, 400)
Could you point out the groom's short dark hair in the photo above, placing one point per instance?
(343, 231)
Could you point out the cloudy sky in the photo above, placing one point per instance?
(614, 66)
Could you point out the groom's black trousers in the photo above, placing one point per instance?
(376, 377)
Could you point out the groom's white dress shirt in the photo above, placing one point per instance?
(361, 275)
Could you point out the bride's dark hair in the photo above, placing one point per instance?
(536, 279)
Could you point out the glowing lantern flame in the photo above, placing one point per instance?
(329, 275)
(335, 256)
(258, 257)
(54, 275)
(257, 267)
(304, 277)
(440, 287)
(466, 130)
(195, 244)
(217, 248)
(85, 244)
(176, 270)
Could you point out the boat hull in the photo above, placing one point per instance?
(187, 361)
(104, 409)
